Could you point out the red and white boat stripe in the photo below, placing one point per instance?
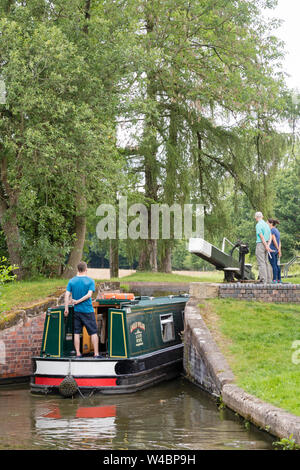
(87, 373)
(81, 382)
(77, 367)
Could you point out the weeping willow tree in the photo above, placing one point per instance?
(197, 82)
(250, 157)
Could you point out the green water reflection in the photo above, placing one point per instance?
(173, 415)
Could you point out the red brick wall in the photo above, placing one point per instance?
(18, 343)
(17, 346)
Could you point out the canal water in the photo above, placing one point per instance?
(175, 415)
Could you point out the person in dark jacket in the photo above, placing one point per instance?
(275, 247)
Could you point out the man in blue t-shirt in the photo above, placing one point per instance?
(81, 287)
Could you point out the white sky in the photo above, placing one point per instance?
(289, 11)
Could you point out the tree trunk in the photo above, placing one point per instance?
(80, 231)
(142, 265)
(148, 257)
(170, 187)
(9, 4)
(80, 217)
(9, 222)
(166, 260)
(151, 169)
(114, 258)
(152, 247)
(77, 250)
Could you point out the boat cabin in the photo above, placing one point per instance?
(127, 326)
(141, 345)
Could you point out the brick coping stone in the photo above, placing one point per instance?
(257, 286)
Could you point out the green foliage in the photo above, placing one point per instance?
(6, 271)
(220, 403)
(287, 208)
(286, 444)
(58, 123)
(208, 102)
(286, 203)
(6, 274)
(195, 86)
(3, 247)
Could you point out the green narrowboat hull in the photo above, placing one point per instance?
(143, 347)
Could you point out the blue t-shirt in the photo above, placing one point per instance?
(79, 287)
(276, 232)
(263, 228)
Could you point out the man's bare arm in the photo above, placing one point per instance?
(85, 297)
(275, 242)
(67, 301)
(266, 245)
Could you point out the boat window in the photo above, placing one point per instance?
(167, 327)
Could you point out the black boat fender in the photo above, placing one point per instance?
(68, 387)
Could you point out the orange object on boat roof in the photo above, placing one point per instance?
(115, 295)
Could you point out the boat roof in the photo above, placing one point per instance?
(149, 301)
(146, 301)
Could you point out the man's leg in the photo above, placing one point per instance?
(90, 323)
(77, 344)
(273, 262)
(268, 268)
(95, 341)
(260, 253)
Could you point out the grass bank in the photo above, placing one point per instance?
(20, 293)
(257, 340)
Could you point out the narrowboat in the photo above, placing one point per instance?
(140, 342)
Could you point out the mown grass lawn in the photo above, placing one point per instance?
(212, 276)
(257, 340)
(293, 280)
